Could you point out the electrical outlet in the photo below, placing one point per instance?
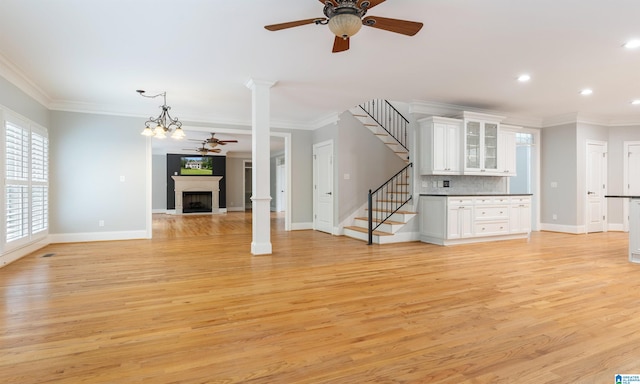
(445, 183)
(555, 217)
(101, 223)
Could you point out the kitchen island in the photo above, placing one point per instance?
(634, 226)
(472, 218)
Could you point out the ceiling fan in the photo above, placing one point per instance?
(345, 17)
(204, 150)
(214, 141)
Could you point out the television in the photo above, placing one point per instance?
(196, 166)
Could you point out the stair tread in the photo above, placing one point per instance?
(377, 221)
(364, 230)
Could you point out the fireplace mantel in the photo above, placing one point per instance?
(198, 184)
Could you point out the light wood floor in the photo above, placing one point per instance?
(193, 306)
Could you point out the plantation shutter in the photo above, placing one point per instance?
(16, 186)
(39, 180)
(26, 182)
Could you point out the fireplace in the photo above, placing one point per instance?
(196, 202)
(197, 194)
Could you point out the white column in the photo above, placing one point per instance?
(260, 152)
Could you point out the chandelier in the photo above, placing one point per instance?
(160, 126)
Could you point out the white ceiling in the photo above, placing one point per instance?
(92, 55)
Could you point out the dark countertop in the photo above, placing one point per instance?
(478, 194)
(623, 196)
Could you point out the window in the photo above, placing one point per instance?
(26, 182)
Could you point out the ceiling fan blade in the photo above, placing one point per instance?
(340, 44)
(372, 3)
(227, 141)
(334, 2)
(291, 24)
(216, 150)
(404, 27)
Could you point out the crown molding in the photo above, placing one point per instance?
(575, 118)
(15, 76)
(430, 108)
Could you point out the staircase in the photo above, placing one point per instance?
(390, 207)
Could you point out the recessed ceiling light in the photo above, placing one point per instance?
(586, 92)
(524, 78)
(632, 44)
(636, 102)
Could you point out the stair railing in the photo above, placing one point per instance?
(388, 198)
(388, 118)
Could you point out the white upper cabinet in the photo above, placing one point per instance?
(439, 146)
(481, 150)
(476, 144)
(507, 150)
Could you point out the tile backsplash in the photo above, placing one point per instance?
(462, 185)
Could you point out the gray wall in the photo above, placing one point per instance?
(235, 182)
(159, 182)
(301, 177)
(88, 155)
(13, 98)
(558, 163)
(360, 155)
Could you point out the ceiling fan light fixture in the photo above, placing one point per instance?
(345, 25)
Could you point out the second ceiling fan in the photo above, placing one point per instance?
(345, 17)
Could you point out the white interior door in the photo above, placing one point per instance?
(281, 187)
(631, 176)
(596, 187)
(323, 187)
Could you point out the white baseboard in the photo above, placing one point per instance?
(96, 236)
(236, 209)
(301, 226)
(615, 227)
(19, 253)
(574, 229)
(162, 210)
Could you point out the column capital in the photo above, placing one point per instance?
(254, 83)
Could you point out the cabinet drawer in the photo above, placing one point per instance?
(517, 200)
(457, 201)
(491, 228)
(484, 200)
(491, 212)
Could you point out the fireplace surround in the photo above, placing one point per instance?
(196, 184)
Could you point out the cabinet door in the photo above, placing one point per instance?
(520, 218)
(452, 148)
(489, 145)
(466, 222)
(507, 153)
(453, 223)
(459, 222)
(439, 149)
(472, 145)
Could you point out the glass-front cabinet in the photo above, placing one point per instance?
(481, 152)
